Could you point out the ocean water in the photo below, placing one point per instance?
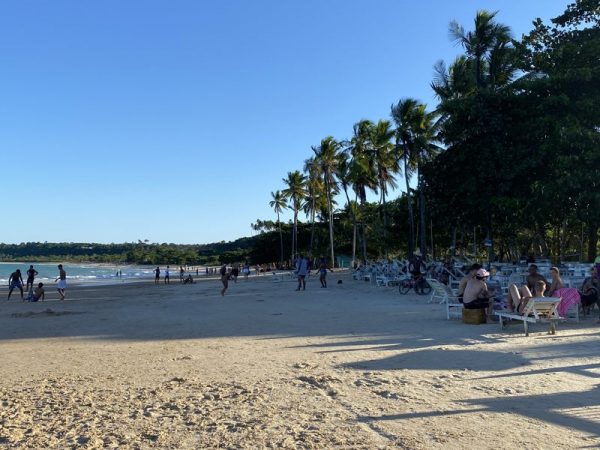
(83, 273)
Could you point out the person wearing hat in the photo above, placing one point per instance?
(463, 282)
(477, 295)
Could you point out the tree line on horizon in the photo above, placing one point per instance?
(506, 164)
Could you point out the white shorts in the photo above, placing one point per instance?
(62, 284)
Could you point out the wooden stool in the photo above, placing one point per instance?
(473, 316)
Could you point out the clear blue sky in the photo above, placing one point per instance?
(173, 121)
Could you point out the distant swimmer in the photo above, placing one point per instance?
(31, 273)
(157, 275)
(167, 279)
(62, 282)
(15, 281)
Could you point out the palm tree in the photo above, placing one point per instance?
(488, 35)
(416, 132)
(326, 156)
(344, 175)
(295, 192)
(362, 173)
(385, 164)
(278, 203)
(315, 191)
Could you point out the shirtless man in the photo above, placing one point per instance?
(477, 295)
(15, 281)
(31, 273)
(463, 282)
(39, 293)
(534, 276)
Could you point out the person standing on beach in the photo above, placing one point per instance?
(157, 275)
(181, 273)
(62, 281)
(31, 273)
(167, 279)
(301, 272)
(323, 272)
(15, 281)
(224, 279)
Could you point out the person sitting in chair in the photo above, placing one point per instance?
(477, 295)
(522, 297)
(463, 282)
(589, 291)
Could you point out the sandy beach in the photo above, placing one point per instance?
(352, 366)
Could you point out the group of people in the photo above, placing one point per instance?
(15, 281)
(303, 268)
(474, 293)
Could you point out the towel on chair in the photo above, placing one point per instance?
(570, 297)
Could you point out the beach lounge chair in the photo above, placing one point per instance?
(538, 310)
(443, 294)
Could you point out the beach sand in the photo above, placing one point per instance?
(352, 366)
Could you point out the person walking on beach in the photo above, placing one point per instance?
(157, 275)
(31, 273)
(301, 272)
(62, 282)
(181, 273)
(167, 279)
(323, 272)
(224, 279)
(15, 281)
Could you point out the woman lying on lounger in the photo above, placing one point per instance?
(520, 298)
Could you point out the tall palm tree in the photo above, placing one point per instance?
(416, 136)
(362, 171)
(278, 203)
(295, 192)
(385, 164)
(479, 43)
(326, 156)
(315, 194)
(344, 175)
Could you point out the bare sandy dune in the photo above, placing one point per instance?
(353, 366)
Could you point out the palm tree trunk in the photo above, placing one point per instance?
(423, 245)
(312, 225)
(411, 219)
(364, 233)
(385, 222)
(330, 218)
(353, 225)
(280, 240)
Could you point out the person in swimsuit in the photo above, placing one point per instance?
(323, 272)
(31, 273)
(39, 293)
(15, 281)
(157, 275)
(62, 282)
(167, 279)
